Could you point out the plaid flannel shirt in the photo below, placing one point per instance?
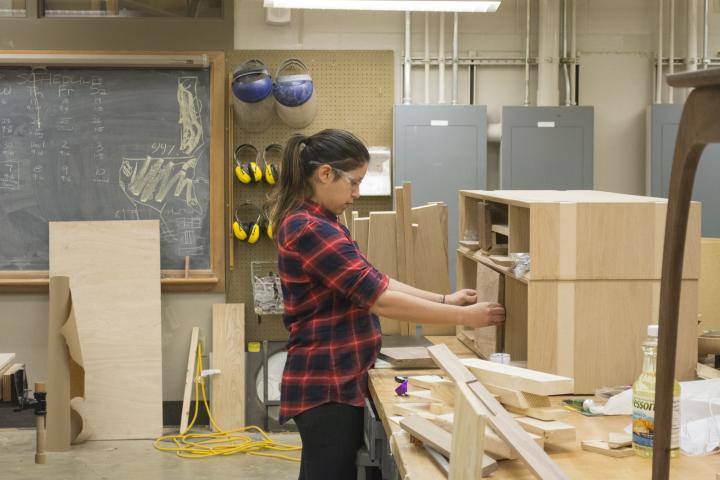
(328, 289)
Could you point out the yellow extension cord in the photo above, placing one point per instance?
(203, 445)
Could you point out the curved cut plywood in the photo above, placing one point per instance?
(70, 331)
(80, 428)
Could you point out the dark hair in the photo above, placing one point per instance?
(303, 155)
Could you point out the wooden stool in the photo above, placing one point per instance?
(699, 125)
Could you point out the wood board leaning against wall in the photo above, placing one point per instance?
(355, 92)
(412, 245)
(111, 326)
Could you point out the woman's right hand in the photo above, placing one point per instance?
(483, 314)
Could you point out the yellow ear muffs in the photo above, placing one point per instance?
(272, 176)
(266, 225)
(242, 175)
(254, 229)
(248, 231)
(257, 173)
(239, 230)
(247, 172)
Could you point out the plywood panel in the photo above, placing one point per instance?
(605, 240)
(519, 229)
(405, 239)
(612, 324)
(361, 226)
(516, 319)
(710, 284)
(190, 374)
(407, 357)
(228, 387)
(543, 327)
(58, 381)
(114, 270)
(490, 287)
(382, 254)
(430, 257)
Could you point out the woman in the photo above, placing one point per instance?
(332, 298)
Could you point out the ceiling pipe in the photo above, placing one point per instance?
(566, 67)
(659, 66)
(427, 58)
(705, 60)
(573, 53)
(691, 62)
(441, 61)
(407, 98)
(455, 60)
(671, 55)
(548, 93)
(526, 102)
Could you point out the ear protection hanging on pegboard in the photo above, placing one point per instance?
(266, 225)
(248, 231)
(247, 172)
(270, 169)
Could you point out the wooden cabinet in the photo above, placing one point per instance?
(593, 285)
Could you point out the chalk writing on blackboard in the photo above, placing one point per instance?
(103, 144)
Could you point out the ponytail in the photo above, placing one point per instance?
(338, 148)
(293, 186)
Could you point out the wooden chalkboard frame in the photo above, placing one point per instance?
(212, 279)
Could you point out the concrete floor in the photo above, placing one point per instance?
(133, 459)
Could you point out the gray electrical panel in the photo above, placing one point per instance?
(662, 121)
(441, 149)
(546, 148)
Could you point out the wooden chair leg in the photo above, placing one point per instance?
(699, 126)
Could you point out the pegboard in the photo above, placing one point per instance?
(355, 92)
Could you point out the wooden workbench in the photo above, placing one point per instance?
(414, 463)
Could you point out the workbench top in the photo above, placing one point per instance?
(415, 464)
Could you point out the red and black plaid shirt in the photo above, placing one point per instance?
(328, 288)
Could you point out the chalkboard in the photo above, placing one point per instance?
(104, 144)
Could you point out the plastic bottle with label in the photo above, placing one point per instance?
(643, 400)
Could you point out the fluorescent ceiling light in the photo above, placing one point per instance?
(390, 5)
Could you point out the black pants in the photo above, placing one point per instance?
(331, 436)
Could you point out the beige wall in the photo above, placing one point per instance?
(616, 41)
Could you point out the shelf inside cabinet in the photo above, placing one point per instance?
(485, 260)
(501, 229)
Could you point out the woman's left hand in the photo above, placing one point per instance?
(461, 297)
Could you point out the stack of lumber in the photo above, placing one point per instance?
(12, 382)
(436, 404)
(7, 371)
(409, 245)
